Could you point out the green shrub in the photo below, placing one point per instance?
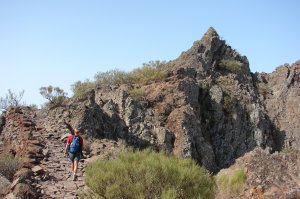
(79, 88)
(137, 93)
(112, 77)
(263, 88)
(146, 74)
(9, 165)
(146, 174)
(231, 184)
(151, 71)
(231, 65)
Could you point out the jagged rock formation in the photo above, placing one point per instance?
(202, 110)
(280, 94)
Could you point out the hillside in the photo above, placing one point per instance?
(210, 107)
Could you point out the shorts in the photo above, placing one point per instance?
(75, 156)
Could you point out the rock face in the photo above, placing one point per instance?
(17, 138)
(204, 109)
(280, 92)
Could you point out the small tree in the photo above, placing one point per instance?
(55, 95)
(11, 100)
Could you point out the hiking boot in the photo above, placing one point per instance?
(69, 174)
(74, 177)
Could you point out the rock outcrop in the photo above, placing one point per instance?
(17, 138)
(208, 108)
(280, 92)
(204, 109)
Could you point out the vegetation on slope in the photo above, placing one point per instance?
(151, 71)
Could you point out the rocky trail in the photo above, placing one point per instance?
(45, 170)
(56, 181)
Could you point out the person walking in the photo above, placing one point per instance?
(73, 150)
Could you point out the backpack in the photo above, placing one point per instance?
(75, 144)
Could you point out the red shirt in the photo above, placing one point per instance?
(69, 140)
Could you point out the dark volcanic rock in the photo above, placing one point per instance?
(280, 91)
(202, 110)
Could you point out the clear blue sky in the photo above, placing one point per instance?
(57, 42)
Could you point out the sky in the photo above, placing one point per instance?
(58, 42)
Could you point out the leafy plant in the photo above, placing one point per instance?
(146, 174)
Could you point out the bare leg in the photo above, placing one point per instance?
(75, 166)
(72, 167)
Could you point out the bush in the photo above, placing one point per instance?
(9, 165)
(146, 74)
(152, 71)
(148, 175)
(137, 93)
(79, 88)
(159, 65)
(112, 77)
(264, 89)
(231, 184)
(11, 100)
(231, 65)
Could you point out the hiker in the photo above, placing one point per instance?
(74, 151)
